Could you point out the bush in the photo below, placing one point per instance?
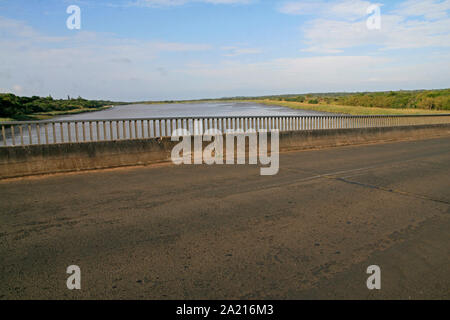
(12, 106)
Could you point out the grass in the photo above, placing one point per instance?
(350, 110)
(47, 115)
(51, 114)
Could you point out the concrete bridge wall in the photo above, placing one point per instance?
(29, 160)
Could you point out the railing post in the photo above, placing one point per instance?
(38, 132)
(4, 136)
(111, 131)
(97, 131)
(135, 129)
(21, 134)
(13, 135)
(54, 132)
(77, 139)
(83, 131)
(130, 129)
(68, 131)
(90, 131)
(29, 134)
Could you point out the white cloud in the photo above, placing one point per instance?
(87, 63)
(160, 3)
(341, 24)
(233, 51)
(347, 9)
(318, 74)
(396, 33)
(430, 9)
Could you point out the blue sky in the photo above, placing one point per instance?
(181, 49)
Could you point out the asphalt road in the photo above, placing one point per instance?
(225, 232)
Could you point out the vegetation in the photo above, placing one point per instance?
(416, 100)
(350, 110)
(429, 100)
(364, 103)
(25, 108)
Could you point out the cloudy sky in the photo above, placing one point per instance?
(132, 50)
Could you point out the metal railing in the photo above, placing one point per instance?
(78, 131)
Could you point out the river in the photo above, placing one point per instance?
(203, 109)
(98, 130)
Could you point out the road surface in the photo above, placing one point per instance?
(225, 232)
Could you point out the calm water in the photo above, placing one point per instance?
(206, 109)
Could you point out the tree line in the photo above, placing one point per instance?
(418, 99)
(20, 108)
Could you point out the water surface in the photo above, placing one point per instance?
(64, 132)
(204, 109)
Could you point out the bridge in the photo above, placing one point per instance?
(221, 232)
(52, 132)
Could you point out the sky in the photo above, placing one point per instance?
(134, 50)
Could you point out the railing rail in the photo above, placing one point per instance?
(15, 133)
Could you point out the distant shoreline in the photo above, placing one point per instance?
(337, 109)
(402, 102)
(53, 114)
(351, 110)
(414, 102)
(329, 108)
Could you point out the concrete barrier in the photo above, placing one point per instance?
(29, 160)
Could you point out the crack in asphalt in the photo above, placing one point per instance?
(390, 190)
